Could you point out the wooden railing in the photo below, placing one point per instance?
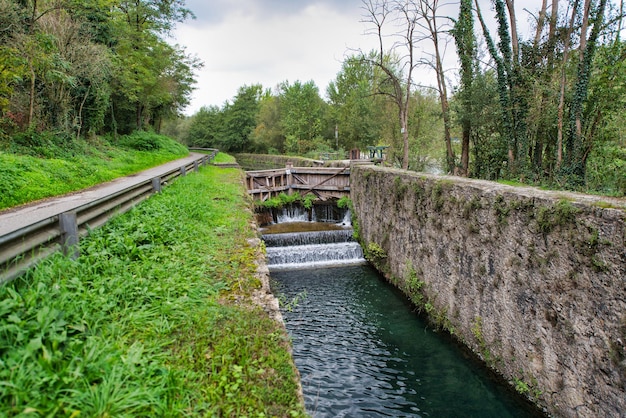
(325, 183)
(25, 245)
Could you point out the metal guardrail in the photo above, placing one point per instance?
(23, 248)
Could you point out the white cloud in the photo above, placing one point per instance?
(243, 48)
(270, 41)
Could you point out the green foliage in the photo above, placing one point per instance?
(521, 387)
(376, 255)
(549, 217)
(141, 325)
(353, 105)
(86, 68)
(302, 111)
(149, 141)
(71, 165)
(284, 199)
(344, 202)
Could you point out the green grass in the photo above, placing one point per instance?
(27, 175)
(153, 319)
(224, 158)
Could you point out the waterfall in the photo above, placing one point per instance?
(292, 213)
(319, 212)
(312, 249)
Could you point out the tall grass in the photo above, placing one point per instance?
(153, 319)
(33, 168)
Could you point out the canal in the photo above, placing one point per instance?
(363, 352)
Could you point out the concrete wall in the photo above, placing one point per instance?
(534, 282)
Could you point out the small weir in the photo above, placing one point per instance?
(312, 249)
(360, 348)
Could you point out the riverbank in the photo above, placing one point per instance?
(157, 316)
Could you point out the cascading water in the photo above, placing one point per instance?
(312, 249)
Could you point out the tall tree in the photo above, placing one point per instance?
(465, 40)
(302, 111)
(352, 97)
(575, 157)
(432, 29)
(397, 61)
(240, 119)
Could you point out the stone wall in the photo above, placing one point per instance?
(534, 282)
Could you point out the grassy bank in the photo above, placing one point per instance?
(42, 166)
(153, 319)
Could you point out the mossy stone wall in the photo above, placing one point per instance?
(534, 282)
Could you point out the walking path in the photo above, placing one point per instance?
(14, 219)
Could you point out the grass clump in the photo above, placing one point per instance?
(284, 199)
(37, 167)
(152, 319)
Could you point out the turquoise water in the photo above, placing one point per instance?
(362, 352)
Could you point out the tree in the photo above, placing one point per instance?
(430, 29)
(575, 154)
(352, 100)
(268, 134)
(302, 111)
(72, 66)
(397, 63)
(240, 119)
(465, 40)
(205, 128)
(511, 83)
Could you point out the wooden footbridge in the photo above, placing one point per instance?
(324, 182)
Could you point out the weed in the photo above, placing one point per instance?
(562, 213)
(399, 188)
(502, 209)
(141, 324)
(284, 199)
(471, 206)
(436, 196)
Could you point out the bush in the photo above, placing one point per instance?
(47, 144)
(141, 141)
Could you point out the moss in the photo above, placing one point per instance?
(549, 217)
(436, 196)
(471, 206)
(502, 209)
(399, 188)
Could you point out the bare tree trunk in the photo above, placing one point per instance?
(377, 13)
(561, 108)
(80, 113)
(514, 39)
(428, 12)
(540, 22)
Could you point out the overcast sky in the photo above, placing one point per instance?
(266, 42)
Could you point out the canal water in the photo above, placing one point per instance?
(363, 352)
(360, 348)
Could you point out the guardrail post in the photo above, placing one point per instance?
(69, 234)
(196, 167)
(156, 184)
(183, 171)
